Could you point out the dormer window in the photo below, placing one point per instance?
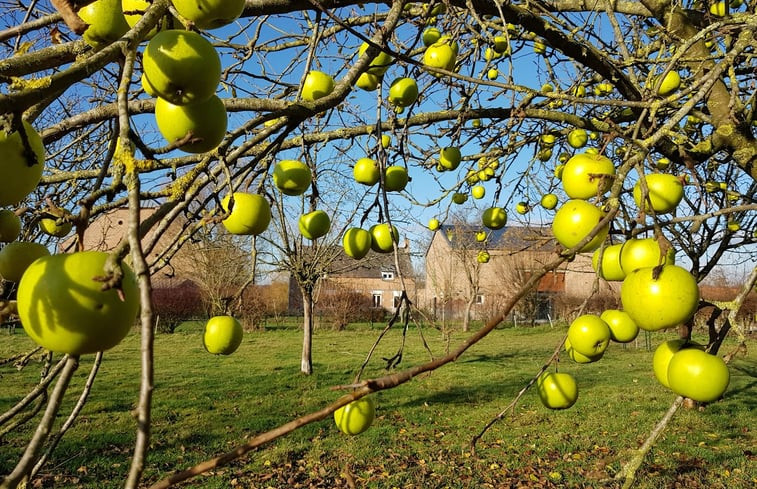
(387, 275)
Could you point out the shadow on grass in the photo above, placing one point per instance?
(468, 394)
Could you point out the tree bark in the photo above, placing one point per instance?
(306, 363)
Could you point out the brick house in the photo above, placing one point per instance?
(456, 280)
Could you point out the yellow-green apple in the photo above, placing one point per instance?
(501, 44)
(382, 237)
(366, 171)
(698, 375)
(574, 221)
(314, 225)
(357, 416)
(356, 242)
(478, 191)
(105, 22)
(20, 169)
(578, 138)
(557, 390)
(250, 214)
(222, 335)
(586, 176)
(450, 157)
(645, 252)
(441, 54)
(664, 352)
(611, 269)
(10, 226)
(494, 218)
(579, 357)
(459, 198)
(589, 335)
(317, 85)
(55, 227)
(63, 307)
(292, 177)
(430, 36)
(483, 256)
(201, 124)
(522, 207)
(623, 329)
(433, 224)
(659, 298)
(209, 14)
(380, 63)
(367, 81)
(670, 83)
(133, 11)
(181, 66)
(386, 140)
(403, 92)
(395, 178)
(16, 257)
(548, 201)
(480, 236)
(665, 192)
(540, 47)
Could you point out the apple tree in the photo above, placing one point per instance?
(638, 117)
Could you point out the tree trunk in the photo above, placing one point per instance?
(466, 316)
(306, 363)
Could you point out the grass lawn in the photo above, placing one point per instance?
(205, 405)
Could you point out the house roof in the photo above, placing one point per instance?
(372, 265)
(509, 238)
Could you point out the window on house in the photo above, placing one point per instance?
(396, 299)
(387, 275)
(479, 298)
(377, 299)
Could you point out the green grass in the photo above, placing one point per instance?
(205, 405)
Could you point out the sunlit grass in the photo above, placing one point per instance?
(205, 405)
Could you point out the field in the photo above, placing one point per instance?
(205, 405)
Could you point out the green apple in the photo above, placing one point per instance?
(222, 335)
(403, 92)
(548, 201)
(395, 178)
(623, 329)
(481, 236)
(356, 242)
(205, 121)
(494, 218)
(181, 66)
(459, 198)
(450, 157)
(382, 237)
(574, 221)
(664, 352)
(356, 417)
(522, 208)
(55, 227)
(105, 22)
(665, 192)
(433, 224)
(579, 91)
(540, 47)
(611, 268)
(10, 226)
(589, 335)
(149, 90)
(442, 54)
(386, 141)
(317, 84)
(366, 172)
(557, 390)
(501, 44)
(662, 163)
(133, 11)
(292, 177)
(16, 257)
(63, 307)
(314, 225)
(660, 298)
(698, 375)
(586, 176)
(670, 83)
(210, 14)
(380, 63)
(718, 9)
(483, 257)
(430, 36)
(603, 88)
(21, 171)
(250, 214)
(642, 253)
(578, 138)
(478, 191)
(578, 357)
(492, 74)
(367, 81)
